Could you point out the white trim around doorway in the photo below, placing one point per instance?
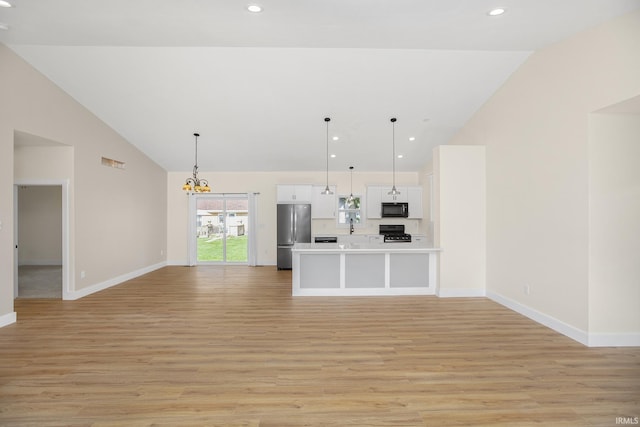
(66, 268)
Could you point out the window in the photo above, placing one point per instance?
(349, 210)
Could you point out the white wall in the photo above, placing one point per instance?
(460, 219)
(265, 183)
(7, 314)
(117, 217)
(614, 223)
(535, 129)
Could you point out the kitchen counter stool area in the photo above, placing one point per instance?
(363, 269)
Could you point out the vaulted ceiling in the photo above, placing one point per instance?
(257, 86)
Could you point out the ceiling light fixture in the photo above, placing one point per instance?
(496, 12)
(394, 192)
(335, 138)
(351, 198)
(412, 138)
(254, 8)
(4, 3)
(327, 190)
(194, 183)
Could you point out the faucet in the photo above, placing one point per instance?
(351, 227)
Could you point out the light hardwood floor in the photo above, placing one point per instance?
(229, 346)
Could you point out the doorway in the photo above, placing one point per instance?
(41, 241)
(220, 229)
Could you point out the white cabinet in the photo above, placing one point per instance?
(414, 197)
(378, 194)
(373, 202)
(294, 193)
(323, 205)
(400, 198)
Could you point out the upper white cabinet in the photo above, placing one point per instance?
(377, 194)
(294, 193)
(399, 198)
(373, 202)
(323, 205)
(414, 196)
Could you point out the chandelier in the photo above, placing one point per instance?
(194, 183)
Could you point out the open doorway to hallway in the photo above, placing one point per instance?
(39, 237)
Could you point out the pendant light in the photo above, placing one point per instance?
(394, 192)
(194, 183)
(326, 190)
(350, 199)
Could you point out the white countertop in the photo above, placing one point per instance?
(364, 247)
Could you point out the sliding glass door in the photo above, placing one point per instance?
(221, 228)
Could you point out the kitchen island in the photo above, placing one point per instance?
(349, 269)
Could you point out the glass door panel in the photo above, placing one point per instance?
(221, 227)
(236, 223)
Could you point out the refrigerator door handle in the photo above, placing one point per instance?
(295, 226)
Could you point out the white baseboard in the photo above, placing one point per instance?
(614, 340)
(8, 319)
(544, 319)
(74, 295)
(461, 293)
(353, 292)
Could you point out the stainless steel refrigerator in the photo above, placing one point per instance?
(294, 226)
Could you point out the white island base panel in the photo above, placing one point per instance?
(358, 270)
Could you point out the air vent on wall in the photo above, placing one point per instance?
(112, 163)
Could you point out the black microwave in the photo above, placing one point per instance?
(395, 210)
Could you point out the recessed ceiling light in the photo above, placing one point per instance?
(254, 8)
(400, 156)
(333, 156)
(335, 138)
(412, 138)
(497, 11)
(4, 3)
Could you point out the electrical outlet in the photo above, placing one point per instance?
(82, 274)
(161, 252)
(527, 289)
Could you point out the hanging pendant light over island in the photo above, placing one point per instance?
(327, 190)
(351, 198)
(394, 192)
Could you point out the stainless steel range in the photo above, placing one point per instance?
(394, 233)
